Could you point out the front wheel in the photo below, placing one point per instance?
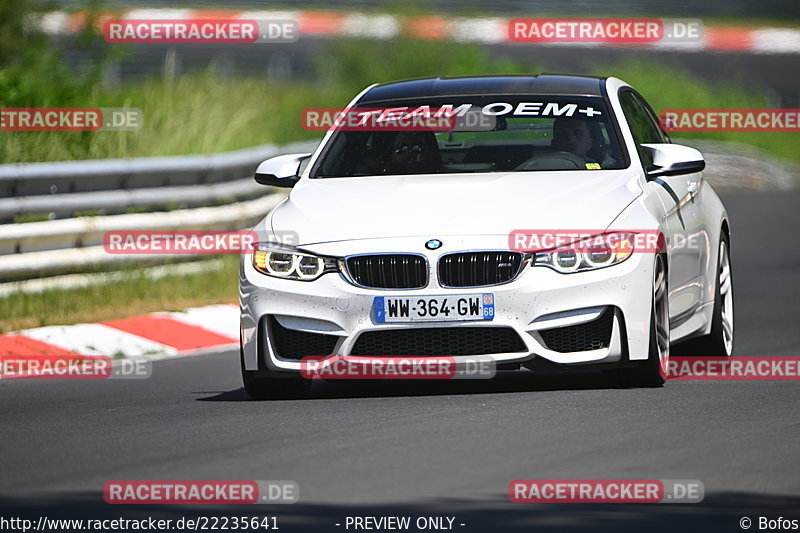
(719, 341)
(652, 372)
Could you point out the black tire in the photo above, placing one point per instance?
(259, 387)
(719, 341)
(652, 372)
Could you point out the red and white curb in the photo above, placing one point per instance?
(152, 336)
(756, 40)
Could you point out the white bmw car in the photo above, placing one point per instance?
(471, 240)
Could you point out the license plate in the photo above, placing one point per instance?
(434, 308)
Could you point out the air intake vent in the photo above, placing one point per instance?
(592, 335)
(294, 344)
(439, 342)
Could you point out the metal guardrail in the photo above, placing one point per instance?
(35, 249)
(117, 184)
(75, 245)
(118, 201)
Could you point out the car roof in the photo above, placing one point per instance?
(550, 84)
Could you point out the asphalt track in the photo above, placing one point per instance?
(445, 449)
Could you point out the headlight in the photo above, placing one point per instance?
(280, 261)
(595, 252)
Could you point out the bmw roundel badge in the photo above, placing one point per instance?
(433, 244)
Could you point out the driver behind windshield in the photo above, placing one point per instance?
(572, 135)
(414, 152)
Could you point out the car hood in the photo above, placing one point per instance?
(338, 209)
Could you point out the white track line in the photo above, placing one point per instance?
(97, 339)
(221, 319)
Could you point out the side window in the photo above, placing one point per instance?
(642, 127)
(653, 118)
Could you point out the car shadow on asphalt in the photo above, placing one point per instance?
(504, 382)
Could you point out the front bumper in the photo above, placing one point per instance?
(535, 306)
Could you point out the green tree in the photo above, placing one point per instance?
(33, 71)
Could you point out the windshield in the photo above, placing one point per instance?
(498, 133)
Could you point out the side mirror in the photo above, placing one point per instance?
(673, 160)
(280, 171)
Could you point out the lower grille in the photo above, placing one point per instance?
(439, 342)
(388, 271)
(592, 335)
(293, 344)
(478, 269)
